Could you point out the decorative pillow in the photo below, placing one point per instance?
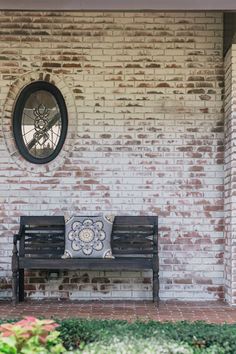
(88, 236)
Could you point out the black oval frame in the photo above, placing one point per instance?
(17, 119)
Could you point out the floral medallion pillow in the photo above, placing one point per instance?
(88, 236)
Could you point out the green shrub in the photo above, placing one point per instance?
(74, 332)
(198, 335)
(144, 346)
(112, 336)
(138, 346)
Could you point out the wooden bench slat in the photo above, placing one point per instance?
(126, 235)
(42, 220)
(44, 245)
(134, 245)
(145, 243)
(86, 264)
(131, 252)
(36, 232)
(130, 227)
(42, 249)
(135, 220)
(46, 241)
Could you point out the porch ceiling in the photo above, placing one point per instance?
(117, 5)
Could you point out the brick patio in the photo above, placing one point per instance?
(213, 312)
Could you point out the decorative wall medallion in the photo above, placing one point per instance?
(40, 122)
(39, 166)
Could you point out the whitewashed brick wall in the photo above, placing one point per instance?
(230, 172)
(147, 88)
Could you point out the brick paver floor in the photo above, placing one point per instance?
(215, 312)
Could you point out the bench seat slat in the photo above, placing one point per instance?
(86, 264)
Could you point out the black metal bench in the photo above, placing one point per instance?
(40, 245)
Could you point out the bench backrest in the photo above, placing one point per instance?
(134, 235)
(42, 236)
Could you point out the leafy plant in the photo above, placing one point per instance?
(30, 335)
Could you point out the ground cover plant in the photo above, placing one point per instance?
(115, 336)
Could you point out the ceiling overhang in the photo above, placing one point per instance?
(96, 5)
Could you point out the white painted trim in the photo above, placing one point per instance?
(70, 5)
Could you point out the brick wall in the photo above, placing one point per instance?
(145, 137)
(230, 200)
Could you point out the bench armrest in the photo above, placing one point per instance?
(155, 238)
(16, 238)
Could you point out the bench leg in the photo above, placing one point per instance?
(155, 287)
(21, 285)
(15, 273)
(15, 287)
